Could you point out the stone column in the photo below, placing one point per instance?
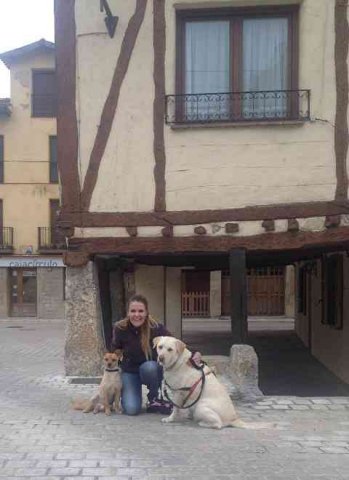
(4, 293)
(215, 294)
(174, 301)
(84, 345)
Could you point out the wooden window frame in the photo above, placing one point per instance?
(34, 113)
(236, 16)
(332, 290)
(53, 165)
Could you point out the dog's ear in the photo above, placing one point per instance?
(180, 346)
(156, 340)
(118, 353)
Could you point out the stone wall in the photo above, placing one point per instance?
(4, 300)
(50, 285)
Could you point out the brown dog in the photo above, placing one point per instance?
(108, 396)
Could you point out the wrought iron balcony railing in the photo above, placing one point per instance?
(44, 105)
(50, 239)
(268, 105)
(6, 239)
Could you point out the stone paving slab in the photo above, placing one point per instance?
(42, 438)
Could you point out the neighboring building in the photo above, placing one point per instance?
(201, 135)
(31, 266)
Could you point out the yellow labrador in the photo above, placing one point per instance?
(208, 400)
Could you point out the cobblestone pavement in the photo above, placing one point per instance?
(42, 438)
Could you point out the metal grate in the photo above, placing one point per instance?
(268, 105)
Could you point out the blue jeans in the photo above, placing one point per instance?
(149, 374)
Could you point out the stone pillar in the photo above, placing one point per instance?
(289, 291)
(84, 345)
(174, 301)
(244, 371)
(50, 295)
(150, 282)
(215, 294)
(4, 293)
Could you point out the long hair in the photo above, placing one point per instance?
(145, 328)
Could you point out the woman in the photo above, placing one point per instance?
(134, 335)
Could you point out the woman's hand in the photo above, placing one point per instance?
(197, 358)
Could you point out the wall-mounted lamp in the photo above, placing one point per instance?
(110, 20)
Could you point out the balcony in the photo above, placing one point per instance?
(6, 240)
(50, 240)
(44, 106)
(238, 107)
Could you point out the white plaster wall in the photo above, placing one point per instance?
(236, 167)
(174, 301)
(150, 282)
(205, 168)
(125, 181)
(215, 293)
(329, 345)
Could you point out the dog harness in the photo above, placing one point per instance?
(191, 389)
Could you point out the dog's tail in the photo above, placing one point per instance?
(82, 404)
(238, 423)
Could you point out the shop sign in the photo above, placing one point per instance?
(31, 262)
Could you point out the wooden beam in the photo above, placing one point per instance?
(238, 295)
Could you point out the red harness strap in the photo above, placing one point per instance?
(193, 387)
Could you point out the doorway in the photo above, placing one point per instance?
(23, 292)
(266, 292)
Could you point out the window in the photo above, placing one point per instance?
(332, 290)
(1, 159)
(238, 65)
(44, 94)
(53, 160)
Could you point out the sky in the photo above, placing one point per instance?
(22, 22)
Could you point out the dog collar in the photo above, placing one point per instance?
(111, 369)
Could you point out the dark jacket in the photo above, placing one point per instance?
(129, 340)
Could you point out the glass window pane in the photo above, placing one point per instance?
(265, 67)
(207, 69)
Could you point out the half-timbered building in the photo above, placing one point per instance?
(203, 136)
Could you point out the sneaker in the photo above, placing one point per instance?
(159, 405)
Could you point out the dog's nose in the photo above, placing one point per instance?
(161, 358)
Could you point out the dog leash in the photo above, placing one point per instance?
(191, 389)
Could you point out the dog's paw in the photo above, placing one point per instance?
(167, 419)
